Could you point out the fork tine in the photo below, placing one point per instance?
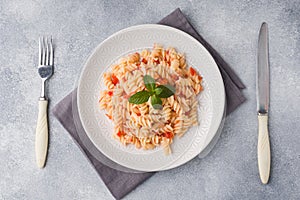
(43, 52)
(47, 52)
(51, 51)
(40, 51)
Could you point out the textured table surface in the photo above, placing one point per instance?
(228, 172)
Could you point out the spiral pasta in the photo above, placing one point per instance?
(141, 125)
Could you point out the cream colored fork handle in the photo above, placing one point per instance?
(41, 138)
(263, 149)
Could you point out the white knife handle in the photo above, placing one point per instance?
(41, 138)
(263, 149)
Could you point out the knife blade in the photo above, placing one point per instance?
(263, 86)
(263, 96)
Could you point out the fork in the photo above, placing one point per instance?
(45, 70)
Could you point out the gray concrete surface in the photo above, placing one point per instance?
(228, 172)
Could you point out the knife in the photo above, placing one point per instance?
(263, 96)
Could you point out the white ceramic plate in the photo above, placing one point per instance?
(99, 129)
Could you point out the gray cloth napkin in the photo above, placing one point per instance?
(121, 183)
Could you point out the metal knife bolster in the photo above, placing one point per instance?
(262, 113)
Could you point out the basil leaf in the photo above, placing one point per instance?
(139, 97)
(156, 102)
(167, 91)
(158, 91)
(149, 83)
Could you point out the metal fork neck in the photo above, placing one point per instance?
(43, 96)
